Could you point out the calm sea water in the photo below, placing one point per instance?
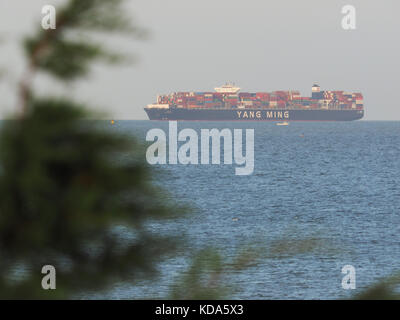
(337, 182)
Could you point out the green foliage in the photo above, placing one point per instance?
(202, 279)
(387, 289)
(67, 59)
(99, 15)
(210, 275)
(66, 186)
(65, 56)
(286, 247)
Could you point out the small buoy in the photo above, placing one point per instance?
(112, 121)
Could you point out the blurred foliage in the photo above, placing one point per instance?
(213, 275)
(210, 275)
(65, 186)
(67, 52)
(67, 59)
(202, 278)
(386, 289)
(286, 246)
(59, 53)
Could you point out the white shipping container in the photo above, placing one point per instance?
(158, 106)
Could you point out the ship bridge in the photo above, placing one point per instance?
(228, 88)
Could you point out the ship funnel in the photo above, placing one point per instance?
(316, 88)
(316, 92)
(228, 88)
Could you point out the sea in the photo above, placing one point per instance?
(322, 196)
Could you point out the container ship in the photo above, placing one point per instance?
(227, 103)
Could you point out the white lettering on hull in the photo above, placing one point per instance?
(278, 115)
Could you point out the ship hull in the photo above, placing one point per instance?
(203, 114)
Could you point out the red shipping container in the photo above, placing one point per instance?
(281, 103)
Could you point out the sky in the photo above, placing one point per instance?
(198, 45)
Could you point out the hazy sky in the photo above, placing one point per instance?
(197, 45)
